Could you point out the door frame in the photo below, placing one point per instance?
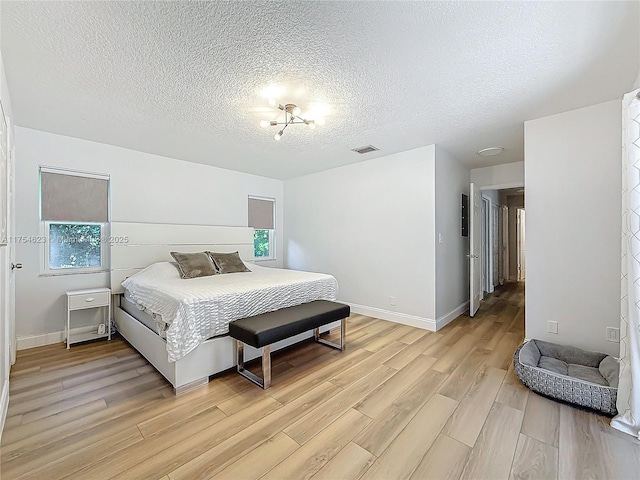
(495, 245)
(487, 247)
(502, 230)
(475, 247)
(504, 274)
(521, 242)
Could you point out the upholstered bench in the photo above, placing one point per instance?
(268, 328)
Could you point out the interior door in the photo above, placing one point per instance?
(484, 248)
(495, 243)
(475, 245)
(11, 224)
(5, 335)
(521, 245)
(504, 274)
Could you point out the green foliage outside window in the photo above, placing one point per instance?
(261, 243)
(74, 246)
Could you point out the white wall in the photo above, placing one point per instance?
(144, 188)
(371, 225)
(573, 202)
(507, 175)
(452, 265)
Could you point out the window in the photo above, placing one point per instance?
(262, 219)
(262, 240)
(74, 211)
(74, 245)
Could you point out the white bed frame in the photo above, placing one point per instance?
(148, 243)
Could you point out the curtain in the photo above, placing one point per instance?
(628, 403)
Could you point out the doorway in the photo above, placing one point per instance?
(490, 243)
(497, 254)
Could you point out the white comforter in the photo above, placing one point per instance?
(200, 308)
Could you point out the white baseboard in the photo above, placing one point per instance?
(403, 318)
(4, 405)
(452, 315)
(32, 341)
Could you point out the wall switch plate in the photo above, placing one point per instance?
(552, 327)
(392, 301)
(102, 329)
(439, 238)
(613, 334)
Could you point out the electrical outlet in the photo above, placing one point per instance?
(552, 327)
(392, 301)
(613, 334)
(102, 329)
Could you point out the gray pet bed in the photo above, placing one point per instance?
(588, 379)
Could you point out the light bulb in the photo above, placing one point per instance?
(320, 121)
(278, 135)
(264, 123)
(273, 102)
(312, 124)
(297, 111)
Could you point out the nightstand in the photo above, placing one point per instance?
(83, 300)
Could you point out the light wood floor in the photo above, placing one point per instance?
(400, 403)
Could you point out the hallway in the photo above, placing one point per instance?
(555, 440)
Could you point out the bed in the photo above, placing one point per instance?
(180, 326)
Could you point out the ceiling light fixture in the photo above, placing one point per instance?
(292, 116)
(491, 151)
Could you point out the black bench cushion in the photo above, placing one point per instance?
(271, 327)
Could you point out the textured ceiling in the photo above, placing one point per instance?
(190, 80)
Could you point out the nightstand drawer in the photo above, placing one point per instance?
(88, 300)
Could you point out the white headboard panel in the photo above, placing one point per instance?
(135, 246)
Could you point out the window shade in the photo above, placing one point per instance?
(261, 213)
(73, 198)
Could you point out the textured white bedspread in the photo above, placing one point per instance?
(200, 308)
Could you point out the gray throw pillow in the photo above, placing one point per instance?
(228, 262)
(194, 265)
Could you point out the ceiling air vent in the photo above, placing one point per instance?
(365, 149)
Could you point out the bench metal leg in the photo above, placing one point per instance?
(343, 331)
(265, 381)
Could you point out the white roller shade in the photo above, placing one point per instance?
(73, 197)
(261, 213)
